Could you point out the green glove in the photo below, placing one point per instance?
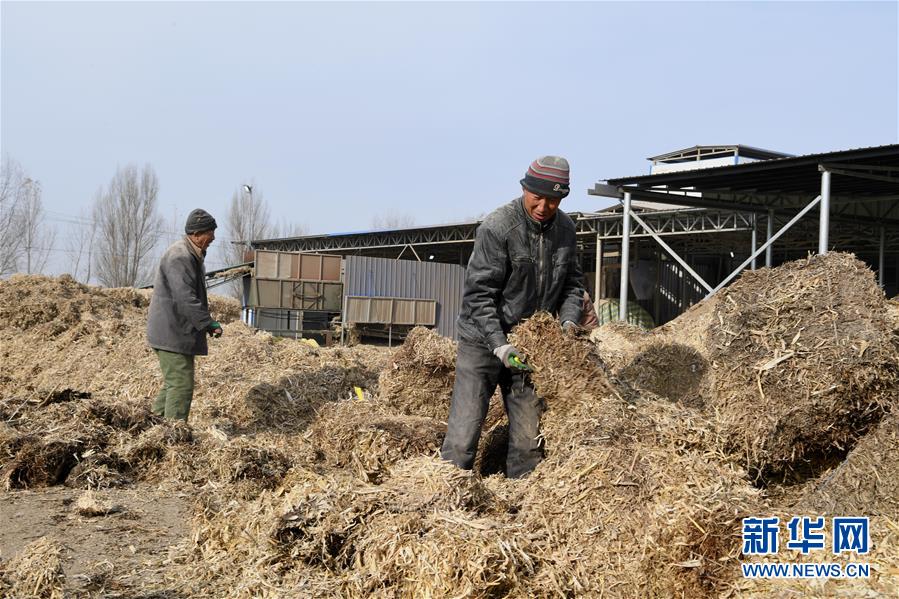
(508, 355)
(214, 329)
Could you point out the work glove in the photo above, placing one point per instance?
(570, 328)
(214, 329)
(510, 358)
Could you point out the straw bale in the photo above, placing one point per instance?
(867, 482)
(804, 363)
(37, 571)
(364, 436)
(92, 505)
(419, 377)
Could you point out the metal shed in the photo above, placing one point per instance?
(385, 277)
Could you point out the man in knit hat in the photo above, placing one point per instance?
(179, 317)
(524, 260)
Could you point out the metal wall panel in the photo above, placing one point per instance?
(385, 277)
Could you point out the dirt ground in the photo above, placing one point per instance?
(117, 555)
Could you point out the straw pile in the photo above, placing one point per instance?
(805, 363)
(366, 437)
(303, 490)
(867, 482)
(418, 380)
(632, 476)
(90, 505)
(36, 572)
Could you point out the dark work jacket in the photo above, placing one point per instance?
(179, 309)
(519, 266)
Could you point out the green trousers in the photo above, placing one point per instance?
(177, 391)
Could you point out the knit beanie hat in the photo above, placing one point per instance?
(198, 221)
(547, 176)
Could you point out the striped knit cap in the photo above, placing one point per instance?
(547, 176)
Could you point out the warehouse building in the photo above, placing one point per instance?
(684, 230)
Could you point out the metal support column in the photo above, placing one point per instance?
(824, 225)
(684, 264)
(769, 251)
(625, 256)
(881, 257)
(754, 241)
(768, 243)
(597, 279)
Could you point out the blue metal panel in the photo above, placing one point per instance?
(386, 277)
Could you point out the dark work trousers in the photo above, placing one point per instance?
(478, 372)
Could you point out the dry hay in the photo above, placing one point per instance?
(439, 554)
(671, 370)
(617, 342)
(91, 505)
(319, 534)
(633, 506)
(48, 445)
(244, 466)
(867, 482)
(804, 363)
(567, 374)
(56, 333)
(418, 380)
(258, 382)
(37, 571)
(37, 462)
(366, 437)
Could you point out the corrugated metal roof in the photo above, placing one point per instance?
(744, 150)
(887, 149)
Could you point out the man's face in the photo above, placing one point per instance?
(540, 208)
(203, 239)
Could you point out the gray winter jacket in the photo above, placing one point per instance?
(179, 309)
(519, 266)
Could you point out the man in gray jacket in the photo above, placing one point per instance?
(524, 260)
(179, 317)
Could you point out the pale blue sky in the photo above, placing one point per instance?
(344, 111)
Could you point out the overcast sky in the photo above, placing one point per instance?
(342, 112)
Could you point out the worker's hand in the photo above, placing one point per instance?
(570, 328)
(510, 357)
(214, 329)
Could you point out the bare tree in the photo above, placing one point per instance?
(248, 219)
(36, 237)
(128, 227)
(392, 221)
(12, 197)
(80, 247)
(289, 229)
